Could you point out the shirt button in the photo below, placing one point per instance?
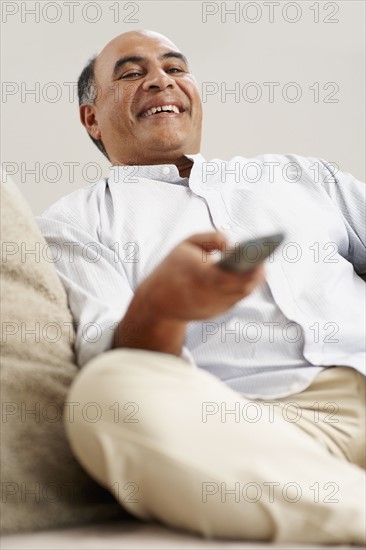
(225, 226)
(166, 170)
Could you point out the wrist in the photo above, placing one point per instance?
(146, 327)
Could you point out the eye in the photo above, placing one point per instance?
(130, 75)
(175, 70)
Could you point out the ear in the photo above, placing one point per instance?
(88, 119)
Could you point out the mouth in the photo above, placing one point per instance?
(166, 110)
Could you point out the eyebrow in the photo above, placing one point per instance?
(138, 59)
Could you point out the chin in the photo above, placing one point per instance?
(168, 145)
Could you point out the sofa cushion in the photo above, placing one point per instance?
(42, 484)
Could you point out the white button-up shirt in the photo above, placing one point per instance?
(310, 313)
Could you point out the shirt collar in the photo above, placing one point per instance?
(159, 172)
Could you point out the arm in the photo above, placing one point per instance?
(184, 287)
(141, 329)
(349, 195)
(97, 287)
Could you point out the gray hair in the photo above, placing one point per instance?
(87, 93)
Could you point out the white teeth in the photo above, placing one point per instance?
(154, 110)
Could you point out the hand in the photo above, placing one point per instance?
(187, 285)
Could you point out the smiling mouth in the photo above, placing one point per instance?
(163, 111)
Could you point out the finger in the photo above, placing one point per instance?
(214, 240)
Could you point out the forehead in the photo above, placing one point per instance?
(145, 44)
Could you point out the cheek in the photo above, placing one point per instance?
(197, 111)
(126, 96)
(193, 89)
(196, 103)
(118, 113)
(199, 108)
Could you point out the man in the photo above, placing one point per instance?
(172, 440)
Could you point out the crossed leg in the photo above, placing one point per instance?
(138, 422)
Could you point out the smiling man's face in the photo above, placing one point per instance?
(148, 109)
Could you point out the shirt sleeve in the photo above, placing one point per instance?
(95, 281)
(349, 195)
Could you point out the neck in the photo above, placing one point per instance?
(184, 167)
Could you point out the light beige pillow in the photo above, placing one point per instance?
(42, 484)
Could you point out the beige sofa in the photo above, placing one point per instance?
(43, 487)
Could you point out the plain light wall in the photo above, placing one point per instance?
(319, 46)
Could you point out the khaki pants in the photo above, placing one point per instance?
(175, 444)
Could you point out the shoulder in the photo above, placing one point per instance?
(271, 167)
(77, 206)
(277, 159)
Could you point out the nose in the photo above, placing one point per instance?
(157, 79)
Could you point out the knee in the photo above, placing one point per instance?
(122, 395)
(123, 387)
(120, 372)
